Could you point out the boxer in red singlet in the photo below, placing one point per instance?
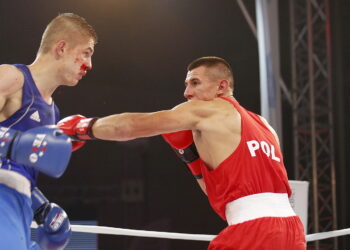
(233, 153)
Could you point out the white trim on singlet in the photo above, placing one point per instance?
(15, 181)
(257, 206)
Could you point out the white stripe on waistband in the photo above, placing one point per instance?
(15, 181)
(258, 206)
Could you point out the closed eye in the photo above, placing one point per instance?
(195, 82)
(87, 54)
(192, 82)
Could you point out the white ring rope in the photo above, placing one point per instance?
(182, 236)
(326, 235)
(141, 233)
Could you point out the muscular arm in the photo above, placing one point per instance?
(11, 81)
(127, 126)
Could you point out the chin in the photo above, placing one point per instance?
(72, 84)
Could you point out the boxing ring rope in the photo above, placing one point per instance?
(182, 236)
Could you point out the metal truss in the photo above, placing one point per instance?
(312, 112)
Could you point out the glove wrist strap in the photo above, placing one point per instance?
(40, 213)
(84, 129)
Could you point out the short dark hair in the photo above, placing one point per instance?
(211, 62)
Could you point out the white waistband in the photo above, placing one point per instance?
(15, 181)
(258, 206)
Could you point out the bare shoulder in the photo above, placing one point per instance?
(11, 79)
(203, 108)
(197, 114)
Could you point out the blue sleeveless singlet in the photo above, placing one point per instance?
(34, 112)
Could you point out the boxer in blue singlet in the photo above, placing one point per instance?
(63, 58)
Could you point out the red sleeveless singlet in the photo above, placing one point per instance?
(256, 165)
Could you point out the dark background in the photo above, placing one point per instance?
(139, 65)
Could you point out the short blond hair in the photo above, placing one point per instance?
(65, 26)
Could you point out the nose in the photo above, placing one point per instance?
(188, 94)
(87, 65)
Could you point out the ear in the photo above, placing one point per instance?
(60, 47)
(223, 87)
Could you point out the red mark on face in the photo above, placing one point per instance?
(84, 67)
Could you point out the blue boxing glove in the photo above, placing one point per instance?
(46, 149)
(54, 231)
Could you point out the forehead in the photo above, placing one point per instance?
(90, 44)
(199, 72)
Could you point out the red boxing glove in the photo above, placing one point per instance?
(77, 144)
(184, 147)
(77, 127)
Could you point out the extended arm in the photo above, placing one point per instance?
(128, 126)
